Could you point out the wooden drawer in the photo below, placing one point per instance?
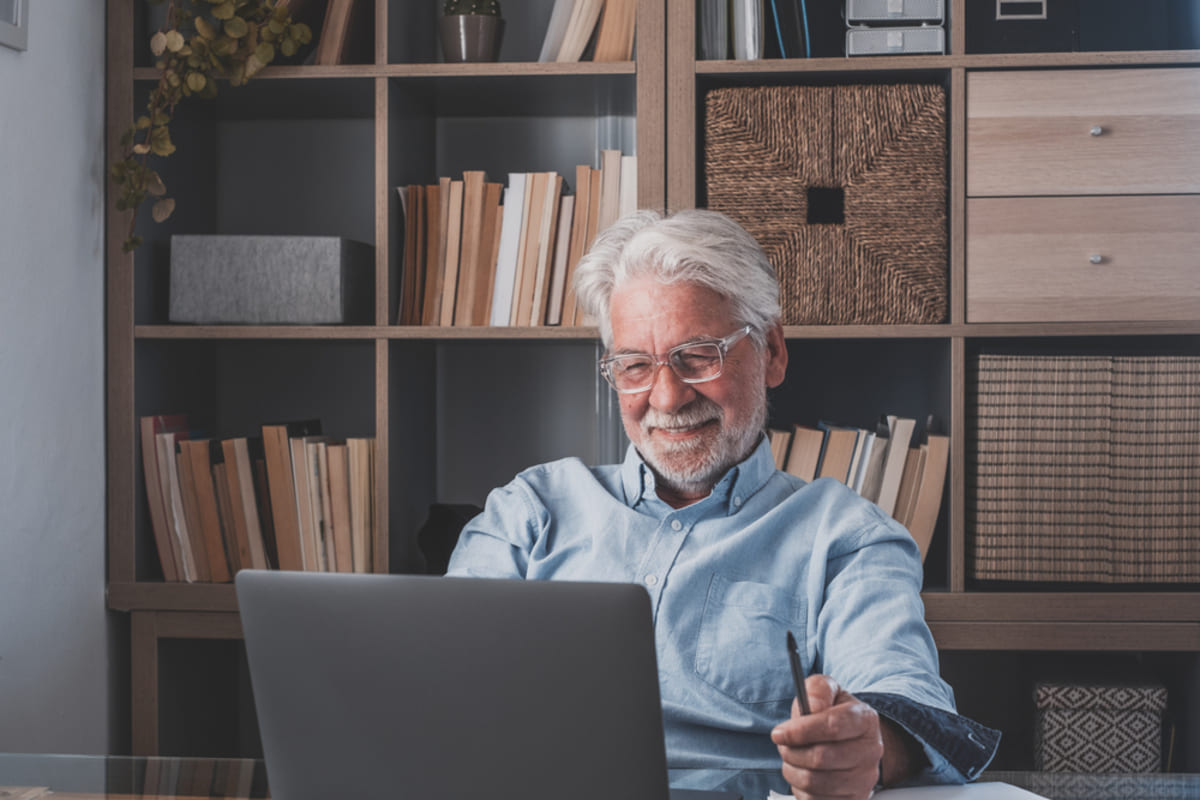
(1062, 132)
(1031, 259)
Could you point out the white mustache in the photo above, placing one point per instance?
(698, 412)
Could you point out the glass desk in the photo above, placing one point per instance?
(72, 777)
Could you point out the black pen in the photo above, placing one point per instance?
(797, 674)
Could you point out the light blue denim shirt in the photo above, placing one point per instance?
(728, 576)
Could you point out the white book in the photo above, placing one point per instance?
(628, 194)
(506, 258)
(748, 27)
(712, 17)
(560, 15)
(579, 30)
(901, 431)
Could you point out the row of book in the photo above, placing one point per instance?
(884, 465)
(288, 499)
(608, 24)
(477, 253)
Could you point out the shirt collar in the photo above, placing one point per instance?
(740, 482)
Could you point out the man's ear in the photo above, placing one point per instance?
(776, 355)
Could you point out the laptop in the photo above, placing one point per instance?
(406, 686)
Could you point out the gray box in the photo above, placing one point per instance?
(884, 41)
(907, 12)
(270, 280)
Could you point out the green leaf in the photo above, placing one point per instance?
(158, 43)
(131, 244)
(163, 209)
(154, 184)
(288, 47)
(142, 123)
(225, 10)
(205, 29)
(196, 81)
(160, 142)
(236, 28)
(265, 52)
(276, 27)
(175, 41)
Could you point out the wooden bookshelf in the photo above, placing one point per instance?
(401, 118)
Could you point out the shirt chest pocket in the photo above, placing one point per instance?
(742, 648)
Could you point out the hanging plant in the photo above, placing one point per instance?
(203, 42)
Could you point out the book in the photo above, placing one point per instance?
(615, 31)
(194, 539)
(239, 477)
(712, 24)
(558, 268)
(312, 545)
(282, 486)
(547, 239)
(837, 452)
(556, 29)
(316, 465)
(339, 505)
(909, 481)
(413, 279)
(928, 500)
(610, 189)
(479, 308)
(220, 479)
(506, 256)
(872, 471)
(862, 460)
(453, 250)
(747, 29)
(584, 16)
(164, 540)
(593, 226)
(472, 251)
(198, 453)
(535, 198)
(361, 457)
(437, 209)
(805, 452)
(262, 492)
(780, 441)
(627, 196)
(177, 523)
(579, 243)
(900, 430)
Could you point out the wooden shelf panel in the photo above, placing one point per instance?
(1068, 636)
(894, 64)
(433, 333)
(157, 596)
(509, 69)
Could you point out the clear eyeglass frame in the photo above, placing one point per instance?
(692, 362)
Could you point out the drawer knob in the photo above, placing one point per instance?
(1096, 258)
(1097, 130)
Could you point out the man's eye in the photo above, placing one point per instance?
(632, 366)
(696, 358)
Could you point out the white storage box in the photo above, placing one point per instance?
(880, 41)
(906, 12)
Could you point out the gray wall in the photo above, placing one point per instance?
(54, 631)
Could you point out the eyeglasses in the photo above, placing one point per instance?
(692, 362)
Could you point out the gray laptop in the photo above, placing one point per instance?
(394, 686)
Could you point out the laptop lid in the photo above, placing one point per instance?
(401, 686)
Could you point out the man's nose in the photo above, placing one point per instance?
(668, 392)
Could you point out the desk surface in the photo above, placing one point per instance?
(74, 777)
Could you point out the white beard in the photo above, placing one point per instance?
(697, 464)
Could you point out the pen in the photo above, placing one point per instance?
(797, 674)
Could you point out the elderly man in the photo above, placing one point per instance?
(733, 552)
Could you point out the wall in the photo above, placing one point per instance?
(55, 637)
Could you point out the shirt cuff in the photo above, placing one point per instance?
(958, 748)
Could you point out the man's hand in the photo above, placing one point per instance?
(836, 751)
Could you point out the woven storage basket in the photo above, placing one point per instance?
(1110, 729)
(884, 147)
(1084, 468)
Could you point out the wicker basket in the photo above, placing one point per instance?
(877, 154)
(1084, 468)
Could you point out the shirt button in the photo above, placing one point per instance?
(676, 525)
(651, 580)
(737, 502)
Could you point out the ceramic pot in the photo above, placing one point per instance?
(471, 37)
